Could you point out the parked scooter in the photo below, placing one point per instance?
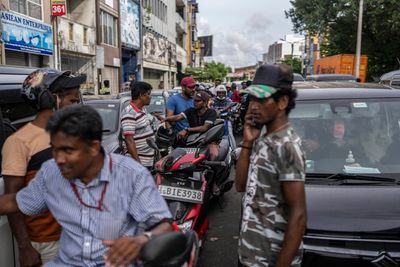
(173, 249)
(185, 178)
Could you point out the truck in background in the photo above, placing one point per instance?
(341, 64)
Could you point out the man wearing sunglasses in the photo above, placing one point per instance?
(200, 118)
(271, 170)
(178, 103)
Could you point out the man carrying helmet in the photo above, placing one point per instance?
(23, 154)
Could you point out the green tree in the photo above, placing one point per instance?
(210, 71)
(335, 21)
(296, 64)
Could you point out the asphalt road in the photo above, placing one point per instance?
(220, 248)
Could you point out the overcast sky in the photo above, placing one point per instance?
(243, 30)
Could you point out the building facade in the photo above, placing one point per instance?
(285, 48)
(77, 41)
(164, 38)
(108, 49)
(131, 39)
(27, 33)
(192, 44)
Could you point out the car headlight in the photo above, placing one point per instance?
(185, 226)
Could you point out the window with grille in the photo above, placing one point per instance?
(31, 8)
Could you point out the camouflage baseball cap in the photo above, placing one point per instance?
(269, 79)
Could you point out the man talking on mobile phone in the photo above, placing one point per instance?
(271, 172)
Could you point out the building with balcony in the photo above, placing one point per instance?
(27, 33)
(192, 46)
(164, 41)
(77, 41)
(108, 49)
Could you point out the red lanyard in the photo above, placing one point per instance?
(103, 193)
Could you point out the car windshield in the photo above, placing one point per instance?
(157, 104)
(356, 136)
(109, 115)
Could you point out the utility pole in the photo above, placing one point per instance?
(359, 36)
(291, 63)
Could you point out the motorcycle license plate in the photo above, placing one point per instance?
(181, 194)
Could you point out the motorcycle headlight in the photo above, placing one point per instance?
(185, 226)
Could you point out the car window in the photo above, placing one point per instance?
(157, 104)
(335, 131)
(109, 113)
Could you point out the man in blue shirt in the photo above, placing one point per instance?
(178, 103)
(98, 199)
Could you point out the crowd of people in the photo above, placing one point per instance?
(71, 204)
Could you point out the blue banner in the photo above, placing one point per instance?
(26, 34)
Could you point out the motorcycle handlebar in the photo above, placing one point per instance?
(214, 163)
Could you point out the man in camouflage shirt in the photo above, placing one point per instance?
(271, 172)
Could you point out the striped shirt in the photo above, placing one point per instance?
(131, 197)
(139, 124)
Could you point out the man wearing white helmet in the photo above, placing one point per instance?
(221, 101)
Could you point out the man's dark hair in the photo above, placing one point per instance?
(248, 83)
(291, 93)
(139, 88)
(77, 120)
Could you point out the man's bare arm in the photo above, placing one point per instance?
(200, 129)
(294, 195)
(8, 204)
(175, 118)
(17, 220)
(131, 146)
(169, 113)
(27, 254)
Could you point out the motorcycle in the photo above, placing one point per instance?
(237, 125)
(173, 249)
(188, 176)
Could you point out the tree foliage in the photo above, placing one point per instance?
(296, 64)
(210, 71)
(335, 21)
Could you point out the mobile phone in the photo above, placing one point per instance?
(256, 125)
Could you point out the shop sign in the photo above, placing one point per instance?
(58, 8)
(25, 34)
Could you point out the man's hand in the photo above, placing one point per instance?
(250, 133)
(123, 250)
(29, 257)
(182, 134)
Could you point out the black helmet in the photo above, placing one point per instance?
(38, 88)
(164, 137)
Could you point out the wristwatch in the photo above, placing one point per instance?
(149, 235)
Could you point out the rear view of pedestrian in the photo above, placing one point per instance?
(271, 172)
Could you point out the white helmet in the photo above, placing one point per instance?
(220, 88)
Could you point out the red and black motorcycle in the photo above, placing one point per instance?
(184, 177)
